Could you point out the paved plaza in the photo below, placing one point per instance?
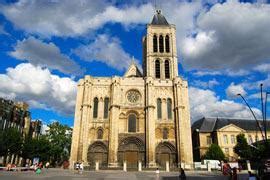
(59, 174)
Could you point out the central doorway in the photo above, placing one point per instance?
(131, 150)
(131, 157)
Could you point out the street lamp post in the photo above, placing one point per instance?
(265, 114)
(258, 124)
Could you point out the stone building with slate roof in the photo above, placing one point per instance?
(223, 131)
(140, 117)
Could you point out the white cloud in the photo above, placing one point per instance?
(205, 84)
(265, 68)
(206, 73)
(39, 88)
(71, 18)
(233, 90)
(107, 50)
(252, 85)
(231, 35)
(205, 103)
(45, 55)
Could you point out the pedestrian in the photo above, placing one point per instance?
(157, 173)
(47, 165)
(77, 166)
(182, 175)
(227, 170)
(234, 173)
(81, 168)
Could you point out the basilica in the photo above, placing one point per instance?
(140, 117)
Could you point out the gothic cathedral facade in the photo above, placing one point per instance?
(140, 117)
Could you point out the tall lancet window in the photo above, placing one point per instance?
(155, 48)
(106, 108)
(167, 43)
(132, 123)
(161, 45)
(167, 69)
(159, 110)
(95, 109)
(169, 108)
(157, 68)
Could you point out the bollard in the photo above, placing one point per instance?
(167, 166)
(248, 165)
(97, 165)
(140, 166)
(208, 166)
(125, 166)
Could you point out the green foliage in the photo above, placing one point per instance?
(10, 142)
(60, 138)
(54, 146)
(214, 152)
(242, 148)
(36, 148)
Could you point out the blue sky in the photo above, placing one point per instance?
(47, 46)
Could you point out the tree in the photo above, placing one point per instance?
(60, 138)
(214, 152)
(242, 148)
(38, 147)
(10, 142)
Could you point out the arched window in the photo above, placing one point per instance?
(132, 123)
(167, 69)
(99, 134)
(169, 108)
(157, 68)
(161, 45)
(95, 109)
(167, 43)
(155, 43)
(165, 133)
(106, 108)
(159, 113)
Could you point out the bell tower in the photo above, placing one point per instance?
(159, 49)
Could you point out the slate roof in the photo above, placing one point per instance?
(159, 19)
(213, 124)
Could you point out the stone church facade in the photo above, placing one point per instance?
(140, 116)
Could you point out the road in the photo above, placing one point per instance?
(59, 174)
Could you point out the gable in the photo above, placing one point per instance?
(231, 128)
(133, 71)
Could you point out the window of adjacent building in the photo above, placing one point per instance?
(165, 133)
(95, 109)
(106, 108)
(167, 43)
(99, 134)
(225, 139)
(169, 108)
(161, 45)
(132, 123)
(167, 69)
(233, 139)
(155, 49)
(157, 68)
(209, 140)
(250, 140)
(159, 112)
(226, 150)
